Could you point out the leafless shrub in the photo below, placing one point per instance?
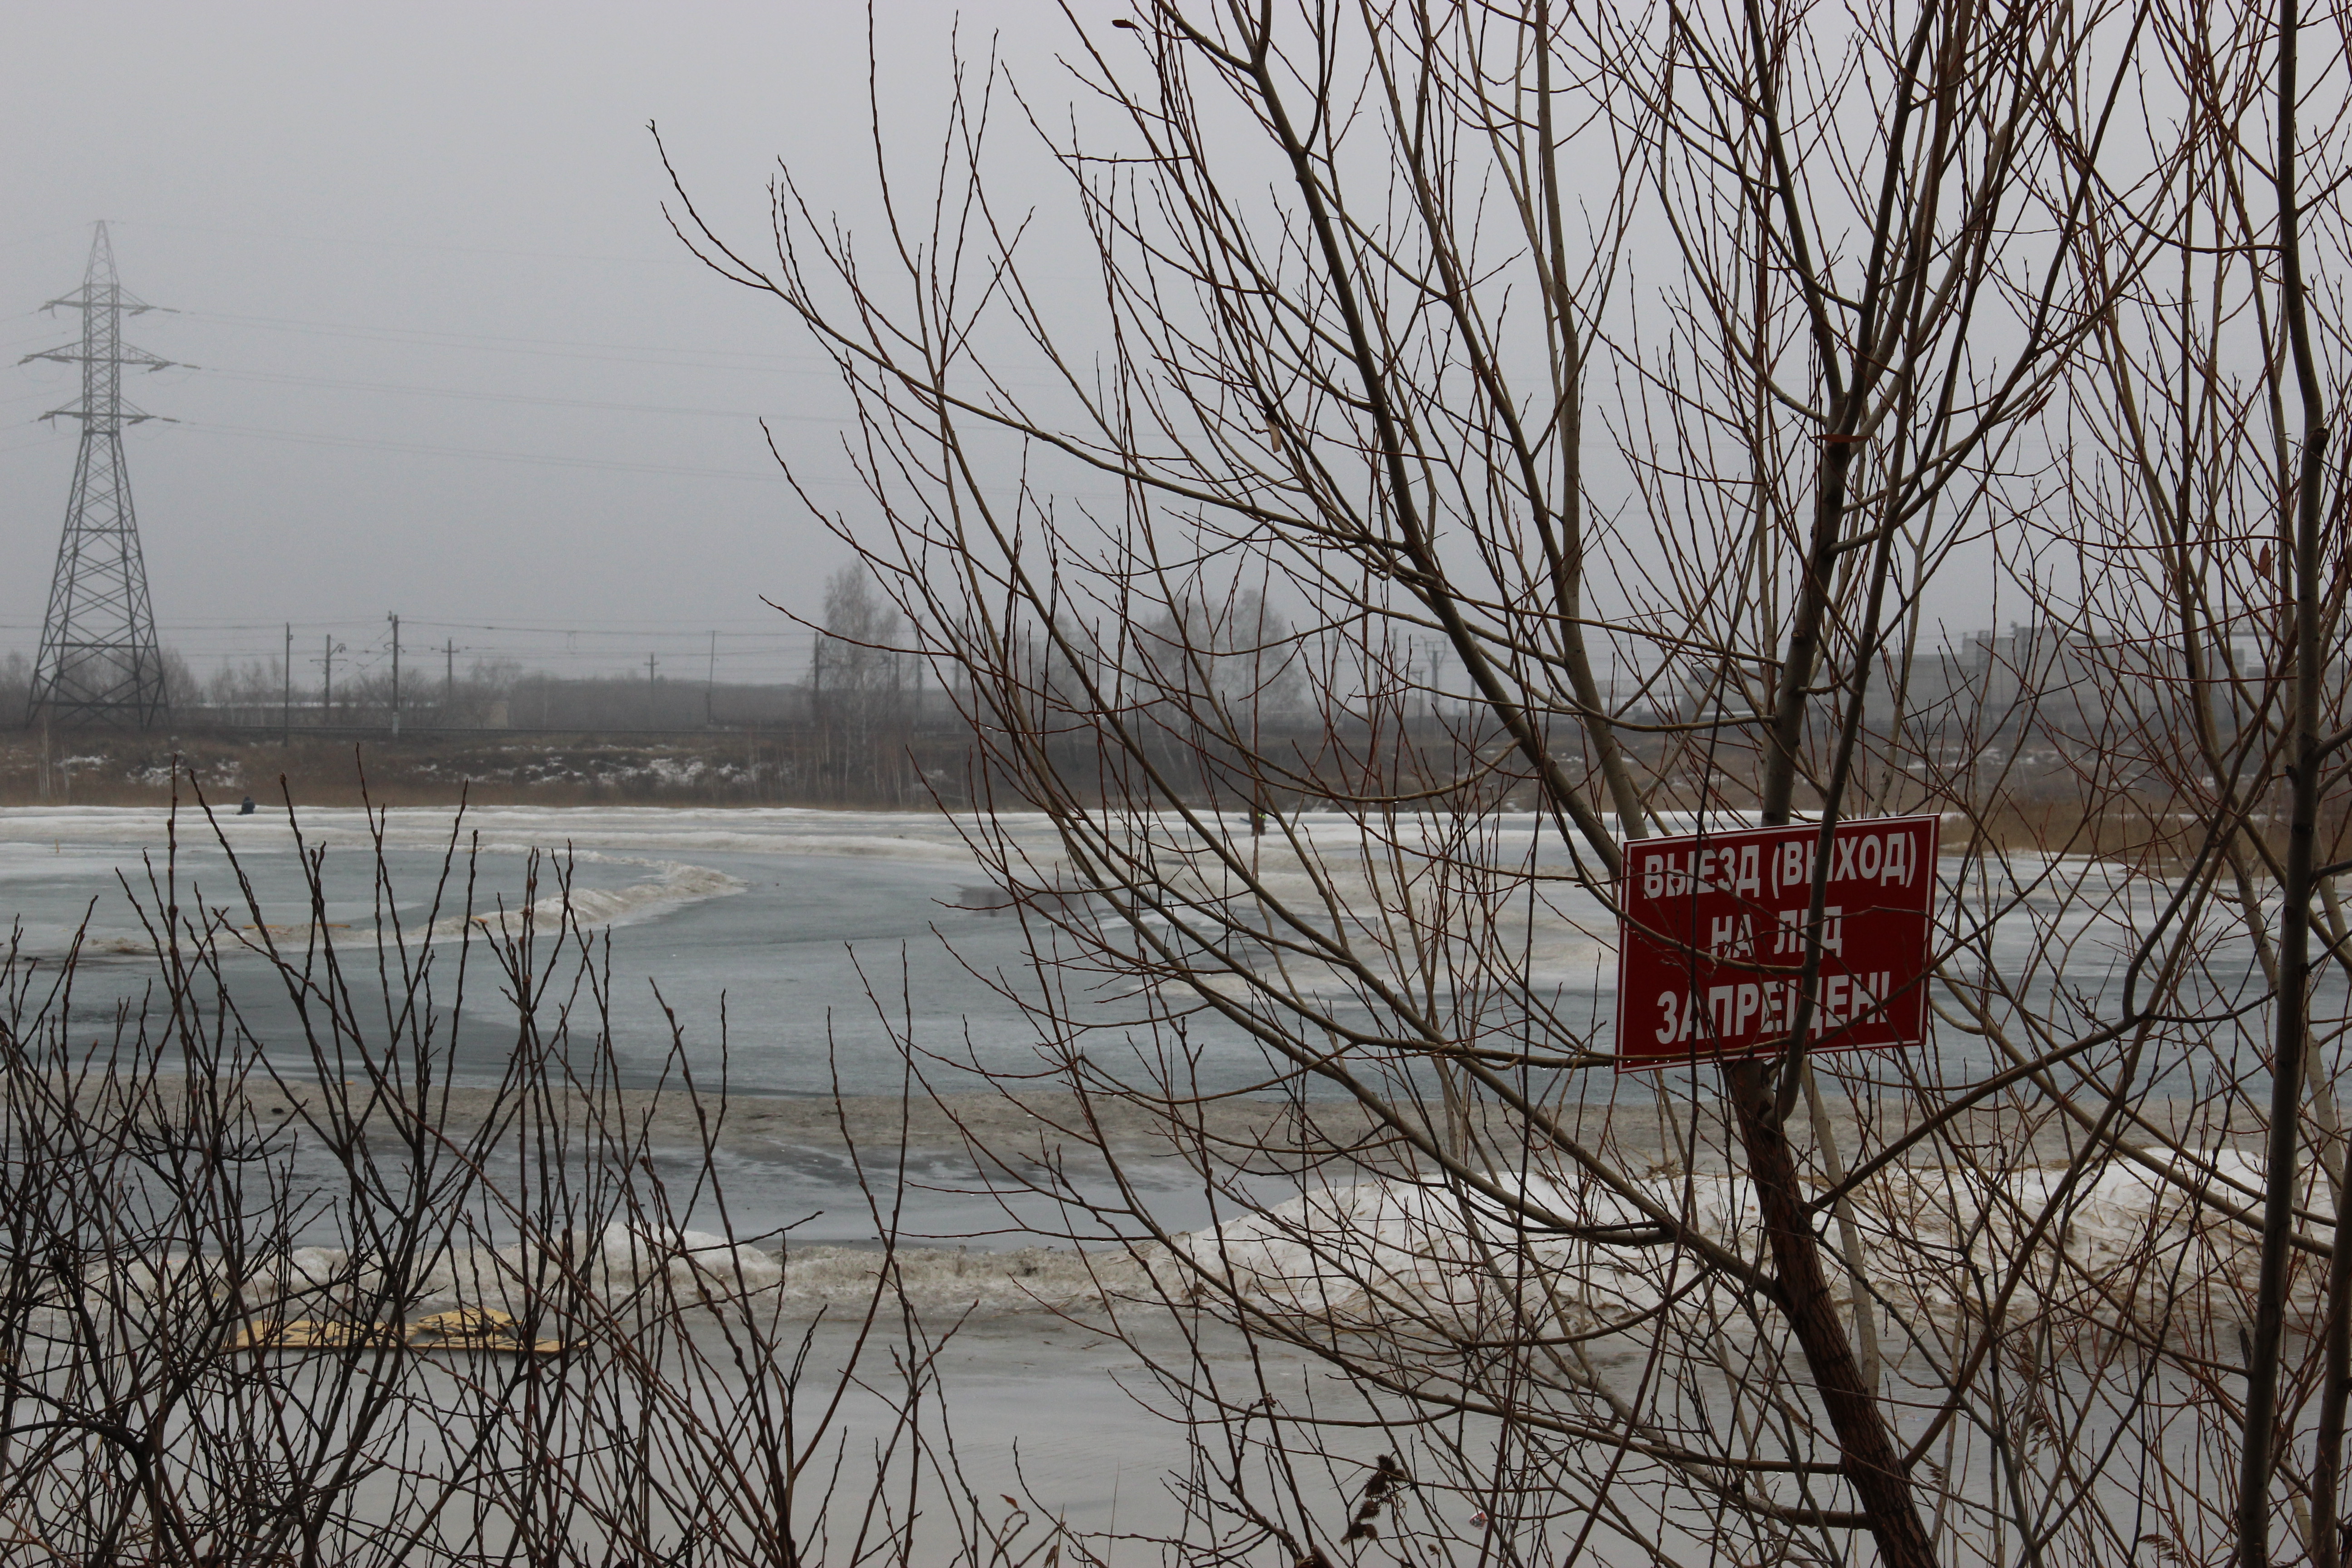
(1654, 367)
(319, 1300)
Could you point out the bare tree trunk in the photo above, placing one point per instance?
(2299, 537)
(1867, 1455)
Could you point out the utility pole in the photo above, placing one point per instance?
(650, 663)
(286, 718)
(98, 659)
(711, 685)
(395, 674)
(326, 692)
(449, 681)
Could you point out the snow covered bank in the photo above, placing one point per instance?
(2115, 1240)
(313, 1289)
(2111, 1239)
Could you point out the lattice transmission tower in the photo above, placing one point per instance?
(100, 662)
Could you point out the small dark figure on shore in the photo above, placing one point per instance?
(246, 809)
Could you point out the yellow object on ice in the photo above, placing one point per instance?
(469, 1328)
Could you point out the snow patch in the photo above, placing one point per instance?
(2117, 1237)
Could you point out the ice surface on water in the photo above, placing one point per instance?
(815, 924)
(823, 940)
(762, 907)
(829, 934)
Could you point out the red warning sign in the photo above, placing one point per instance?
(1712, 941)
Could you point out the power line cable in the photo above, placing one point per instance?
(414, 245)
(690, 626)
(413, 391)
(535, 459)
(426, 337)
(669, 354)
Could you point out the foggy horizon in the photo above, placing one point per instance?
(455, 365)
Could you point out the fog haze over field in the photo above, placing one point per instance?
(398, 237)
(455, 364)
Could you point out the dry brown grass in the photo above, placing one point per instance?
(495, 768)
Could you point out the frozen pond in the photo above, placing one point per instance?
(814, 927)
(824, 939)
(818, 940)
(773, 912)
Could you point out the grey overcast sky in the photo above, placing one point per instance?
(412, 246)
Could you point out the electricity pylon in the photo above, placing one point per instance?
(100, 662)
